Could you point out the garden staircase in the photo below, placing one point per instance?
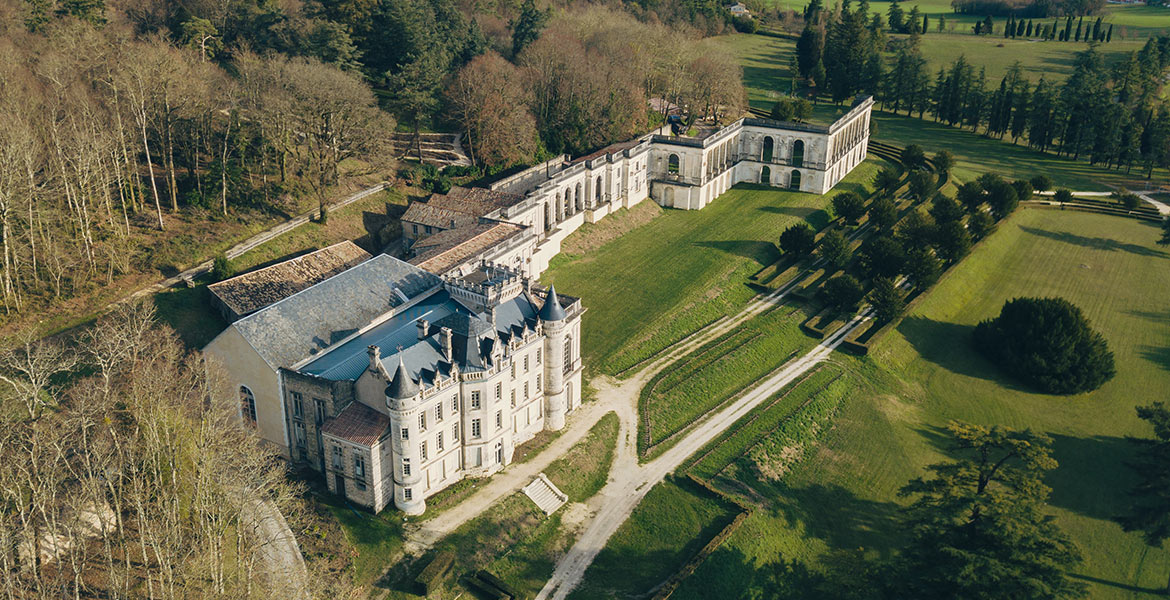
(545, 495)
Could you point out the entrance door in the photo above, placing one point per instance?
(339, 481)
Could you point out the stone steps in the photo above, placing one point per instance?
(545, 495)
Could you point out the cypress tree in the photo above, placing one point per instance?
(1028, 31)
(1097, 30)
(1080, 25)
(942, 23)
(925, 23)
(1019, 29)
(1109, 36)
(978, 27)
(1010, 29)
(1067, 30)
(988, 26)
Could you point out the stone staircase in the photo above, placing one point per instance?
(545, 495)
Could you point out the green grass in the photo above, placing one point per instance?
(1053, 60)
(583, 470)
(924, 373)
(376, 539)
(708, 377)
(671, 524)
(666, 279)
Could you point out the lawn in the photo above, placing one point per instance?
(583, 470)
(924, 373)
(671, 524)
(681, 270)
(706, 378)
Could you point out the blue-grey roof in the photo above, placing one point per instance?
(472, 340)
(402, 386)
(552, 311)
(324, 314)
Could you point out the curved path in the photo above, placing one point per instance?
(629, 483)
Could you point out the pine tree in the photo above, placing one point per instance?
(1109, 36)
(1097, 30)
(1067, 29)
(895, 17)
(1150, 513)
(1080, 25)
(1028, 31)
(1010, 30)
(1019, 29)
(925, 23)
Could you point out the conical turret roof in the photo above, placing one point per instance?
(402, 386)
(552, 311)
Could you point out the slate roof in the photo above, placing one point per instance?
(402, 386)
(552, 311)
(324, 314)
(250, 292)
(357, 423)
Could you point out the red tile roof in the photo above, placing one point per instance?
(359, 424)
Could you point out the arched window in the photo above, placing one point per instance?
(597, 193)
(247, 406)
(794, 180)
(568, 353)
(769, 148)
(672, 164)
(766, 175)
(579, 197)
(547, 217)
(798, 153)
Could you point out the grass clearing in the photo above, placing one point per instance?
(583, 470)
(680, 271)
(710, 376)
(670, 525)
(376, 539)
(925, 373)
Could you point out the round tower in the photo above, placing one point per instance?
(402, 400)
(553, 317)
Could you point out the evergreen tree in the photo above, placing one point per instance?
(883, 256)
(954, 241)
(527, 26)
(988, 26)
(809, 48)
(925, 23)
(978, 526)
(1165, 239)
(1067, 29)
(1020, 31)
(1097, 30)
(849, 206)
(895, 17)
(913, 21)
(882, 213)
(945, 210)
(843, 293)
(834, 250)
(1109, 35)
(922, 267)
(942, 23)
(1010, 29)
(886, 300)
(979, 224)
(812, 11)
(1028, 30)
(1080, 25)
(797, 241)
(1150, 511)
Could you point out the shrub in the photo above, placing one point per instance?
(798, 241)
(221, 267)
(1127, 200)
(1048, 343)
(848, 206)
(1063, 196)
(843, 293)
(782, 110)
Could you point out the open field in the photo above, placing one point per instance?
(682, 270)
(925, 373)
(671, 524)
(1053, 60)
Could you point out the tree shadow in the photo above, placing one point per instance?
(949, 346)
(1092, 477)
(729, 573)
(1152, 316)
(1158, 592)
(800, 212)
(764, 253)
(1158, 355)
(1097, 243)
(837, 516)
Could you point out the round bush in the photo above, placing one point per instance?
(1048, 343)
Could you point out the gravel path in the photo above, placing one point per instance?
(629, 482)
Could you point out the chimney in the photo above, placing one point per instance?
(492, 317)
(375, 357)
(445, 337)
(423, 329)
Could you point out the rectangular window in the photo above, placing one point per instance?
(474, 400)
(499, 391)
(525, 390)
(455, 432)
(439, 442)
(299, 433)
(337, 457)
(427, 228)
(513, 369)
(405, 433)
(319, 406)
(422, 421)
(359, 467)
(513, 398)
(454, 404)
(475, 428)
(298, 405)
(439, 412)
(538, 356)
(525, 363)
(538, 382)
(406, 467)
(414, 229)
(499, 419)
(422, 450)
(406, 495)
